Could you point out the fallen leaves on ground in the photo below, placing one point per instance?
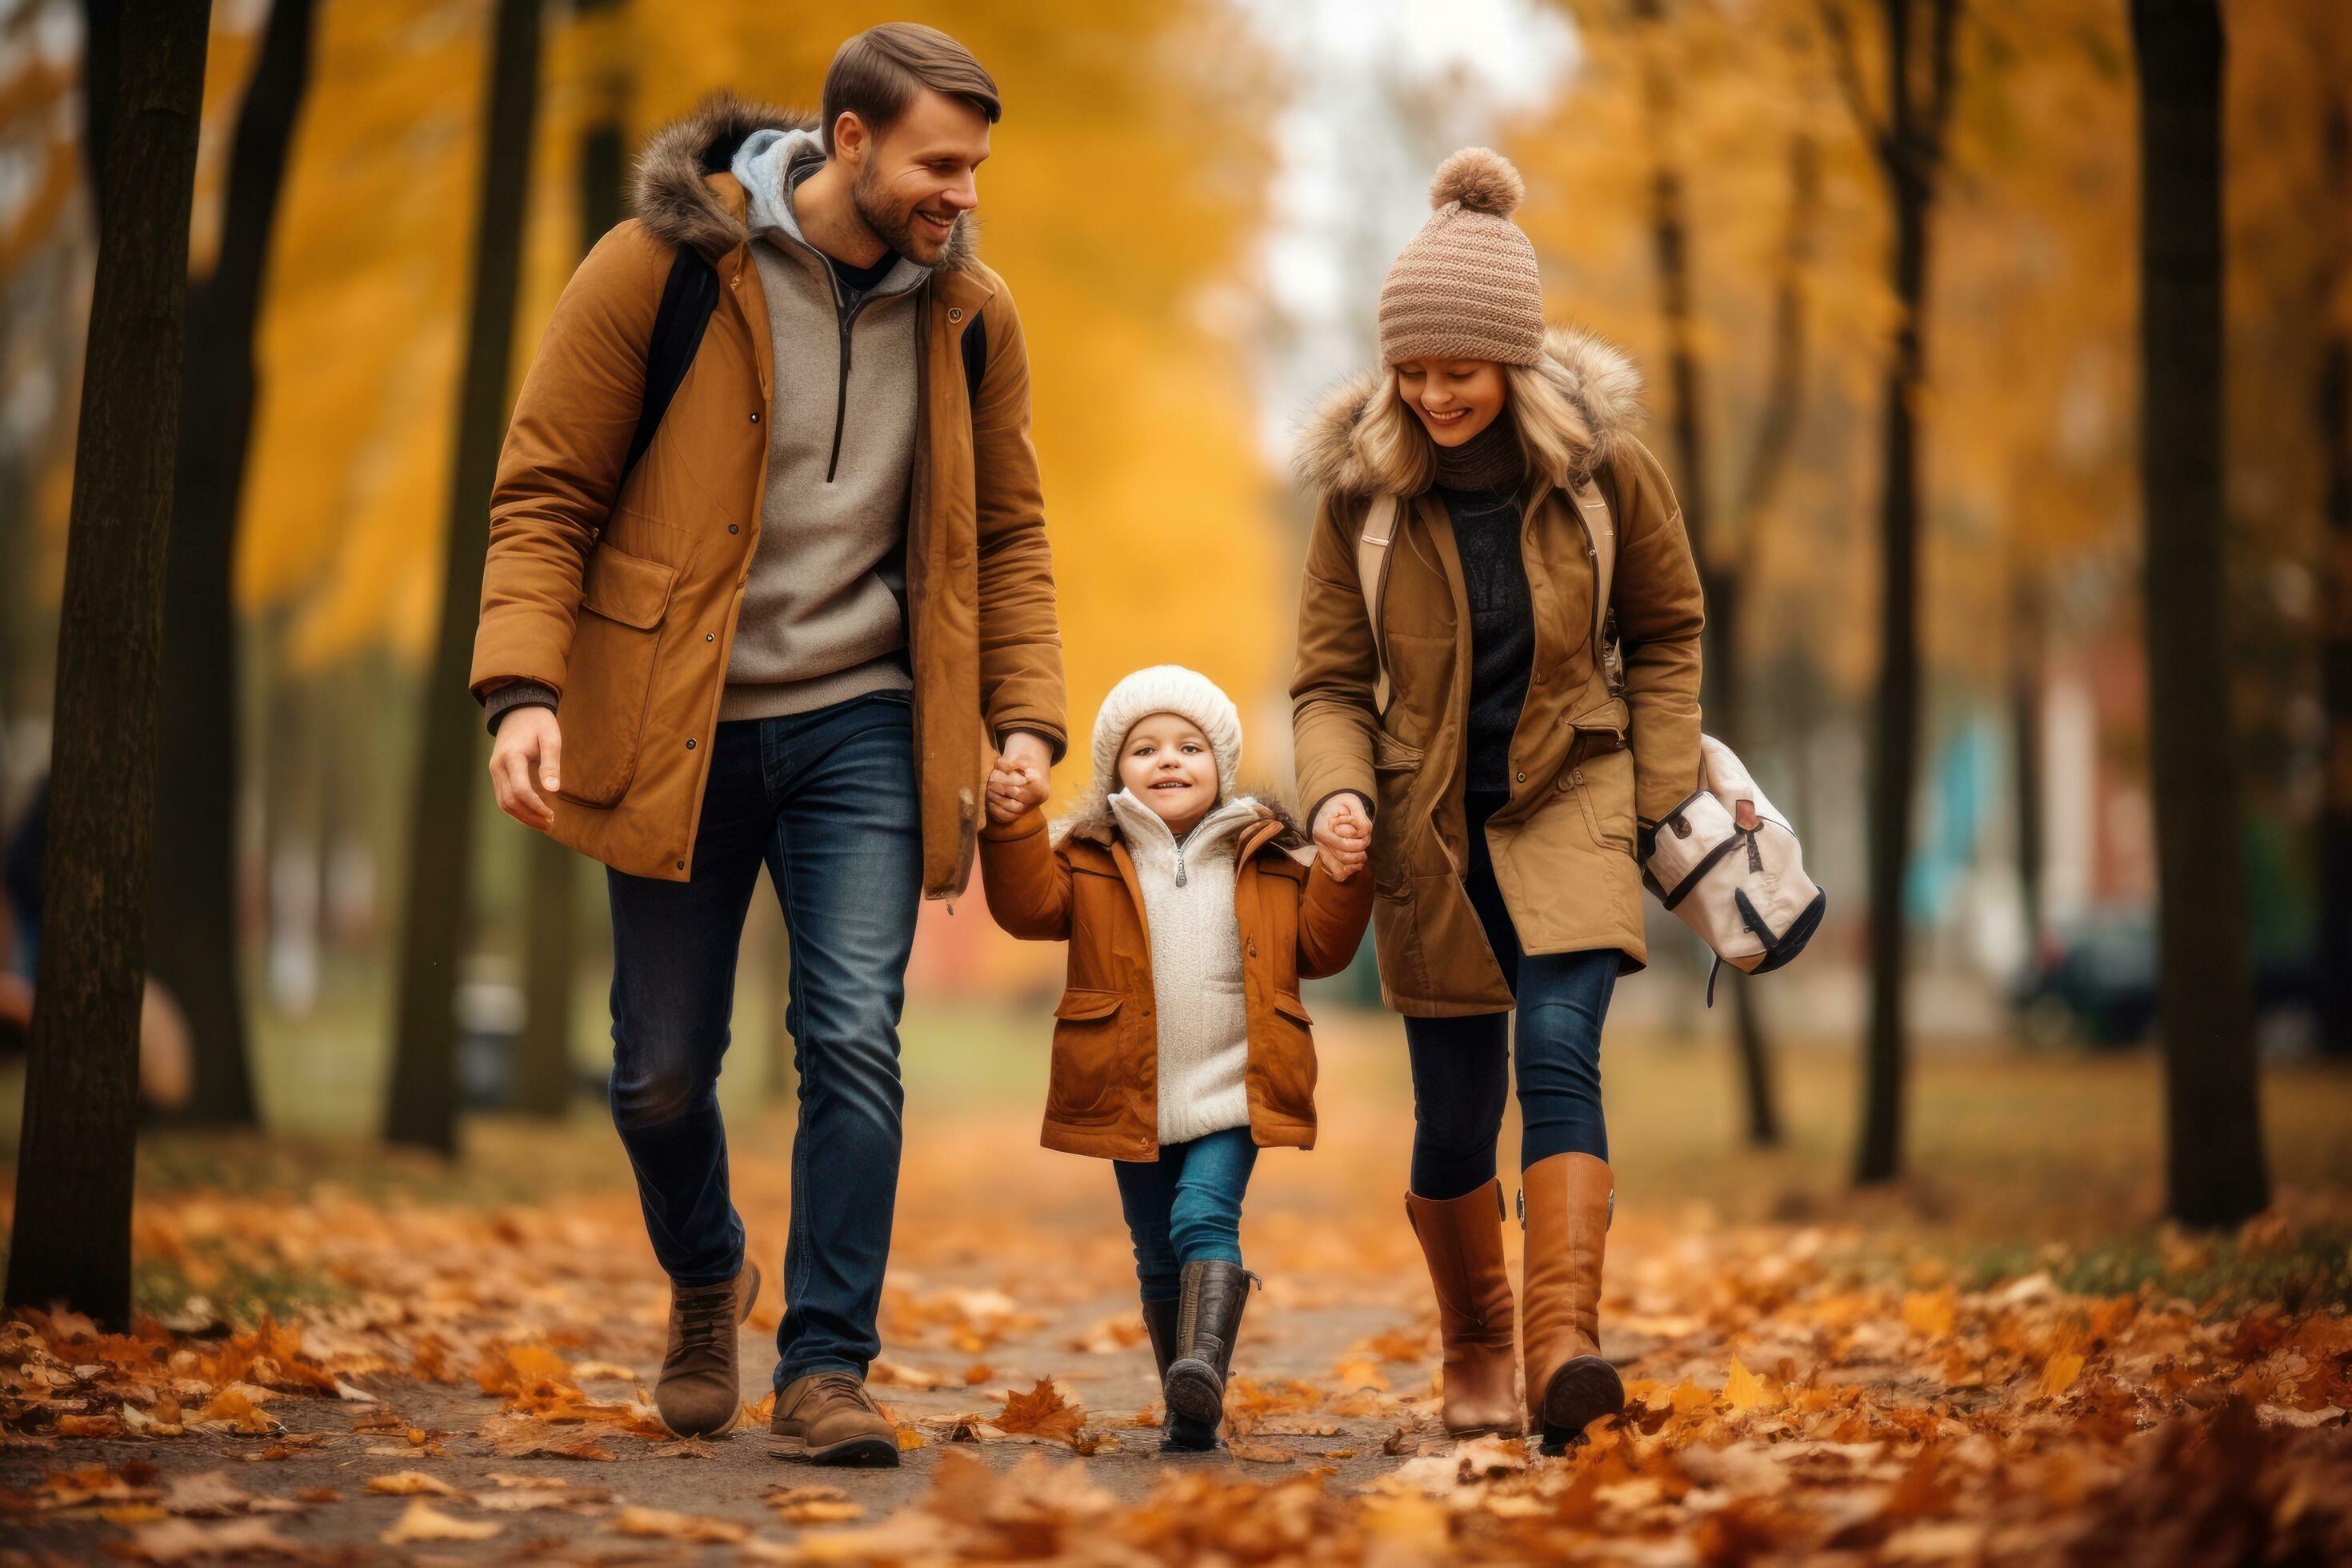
(1794, 1392)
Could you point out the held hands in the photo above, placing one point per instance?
(1343, 836)
(527, 745)
(1019, 780)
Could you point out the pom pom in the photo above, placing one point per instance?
(1481, 179)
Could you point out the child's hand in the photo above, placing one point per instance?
(1013, 788)
(1342, 866)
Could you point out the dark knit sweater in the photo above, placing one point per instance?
(1480, 483)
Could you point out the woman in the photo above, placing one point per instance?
(1511, 779)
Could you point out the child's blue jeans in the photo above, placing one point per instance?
(1185, 1205)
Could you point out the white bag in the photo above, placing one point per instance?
(1728, 866)
(1727, 863)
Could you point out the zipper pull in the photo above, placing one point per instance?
(1179, 864)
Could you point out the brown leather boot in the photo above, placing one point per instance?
(699, 1393)
(1565, 1206)
(1463, 1240)
(829, 1418)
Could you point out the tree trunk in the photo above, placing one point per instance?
(1895, 743)
(102, 75)
(2214, 1167)
(551, 872)
(192, 922)
(2334, 960)
(1670, 247)
(74, 1159)
(422, 1103)
(2027, 614)
(1910, 148)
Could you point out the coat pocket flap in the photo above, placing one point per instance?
(1610, 717)
(1083, 1005)
(626, 588)
(1388, 751)
(1291, 1007)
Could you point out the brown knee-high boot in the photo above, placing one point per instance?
(1565, 1206)
(1463, 1240)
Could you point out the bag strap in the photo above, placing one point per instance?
(688, 296)
(1372, 565)
(975, 357)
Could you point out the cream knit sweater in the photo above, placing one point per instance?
(1196, 963)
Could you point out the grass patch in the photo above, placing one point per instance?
(2299, 1270)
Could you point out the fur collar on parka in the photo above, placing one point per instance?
(1594, 375)
(1093, 821)
(673, 194)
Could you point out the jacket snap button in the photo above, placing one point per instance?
(710, 637)
(955, 313)
(689, 742)
(681, 865)
(734, 528)
(1521, 777)
(755, 416)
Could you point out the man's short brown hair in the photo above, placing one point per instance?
(876, 75)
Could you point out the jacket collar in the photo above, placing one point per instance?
(1094, 822)
(1594, 375)
(686, 194)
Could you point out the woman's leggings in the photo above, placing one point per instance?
(1460, 1066)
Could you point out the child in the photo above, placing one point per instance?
(1180, 1045)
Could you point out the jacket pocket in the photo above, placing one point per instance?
(1086, 1081)
(1602, 782)
(610, 679)
(1285, 1064)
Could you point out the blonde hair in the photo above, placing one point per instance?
(1554, 435)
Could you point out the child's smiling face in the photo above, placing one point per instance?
(1166, 763)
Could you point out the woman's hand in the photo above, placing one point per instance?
(1012, 789)
(1343, 836)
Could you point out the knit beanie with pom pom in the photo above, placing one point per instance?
(1466, 286)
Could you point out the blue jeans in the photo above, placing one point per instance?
(1185, 1205)
(827, 801)
(1460, 1066)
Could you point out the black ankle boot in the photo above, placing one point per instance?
(1208, 1320)
(1183, 1435)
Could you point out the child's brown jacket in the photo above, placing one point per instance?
(1296, 923)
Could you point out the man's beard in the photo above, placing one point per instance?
(894, 226)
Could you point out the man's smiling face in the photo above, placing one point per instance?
(916, 179)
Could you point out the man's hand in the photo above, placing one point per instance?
(1343, 836)
(528, 745)
(1020, 778)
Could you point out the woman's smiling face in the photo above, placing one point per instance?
(1455, 398)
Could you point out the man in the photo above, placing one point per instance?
(796, 633)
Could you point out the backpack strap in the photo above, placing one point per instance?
(687, 297)
(975, 357)
(1372, 565)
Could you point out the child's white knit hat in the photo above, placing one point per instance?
(1169, 688)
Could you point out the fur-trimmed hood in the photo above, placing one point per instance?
(675, 199)
(1594, 374)
(1093, 821)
